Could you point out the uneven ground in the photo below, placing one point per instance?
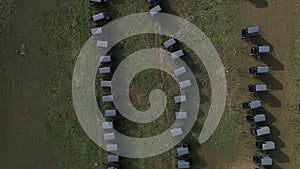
(38, 127)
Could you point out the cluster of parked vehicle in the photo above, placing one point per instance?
(255, 116)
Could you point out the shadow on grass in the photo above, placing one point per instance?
(271, 81)
(259, 3)
(269, 99)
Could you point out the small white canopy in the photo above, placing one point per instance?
(104, 83)
(112, 158)
(180, 115)
(261, 88)
(264, 49)
(107, 125)
(183, 164)
(96, 31)
(268, 145)
(252, 30)
(98, 17)
(263, 131)
(179, 71)
(155, 10)
(266, 161)
(108, 98)
(169, 43)
(176, 132)
(177, 54)
(110, 113)
(184, 84)
(109, 136)
(111, 147)
(104, 70)
(105, 59)
(180, 99)
(111, 168)
(259, 118)
(182, 151)
(262, 69)
(255, 104)
(102, 44)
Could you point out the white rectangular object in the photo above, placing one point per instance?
(262, 69)
(102, 44)
(105, 59)
(264, 49)
(184, 84)
(176, 132)
(108, 98)
(252, 30)
(96, 31)
(263, 131)
(261, 88)
(111, 147)
(180, 99)
(177, 54)
(255, 104)
(268, 145)
(109, 136)
(259, 118)
(169, 43)
(98, 17)
(107, 125)
(112, 158)
(180, 115)
(179, 71)
(104, 70)
(110, 113)
(104, 83)
(183, 164)
(155, 10)
(266, 161)
(182, 151)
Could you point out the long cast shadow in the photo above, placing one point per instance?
(271, 61)
(259, 3)
(271, 81)
(269, 99)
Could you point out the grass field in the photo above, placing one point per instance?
(54, 35)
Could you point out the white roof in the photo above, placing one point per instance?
(259, 118)
(179, 71)
(264, 49)
(102, 44)
(180, 99)
(263, 131)
(110, 113)
(108, 98)
(104, 70)
(169, 43)
(111, 147)
(155, 10)
(266, 160)
(268, 145)
(109, 136)
(111, 168)
(99, 1)
(112, 158)
(176, 132)
(184, 84)
(261, 88)
(262, 69)
(177, 54)
(96, 31)
(104, 83)
(253, 29)
(98, 17)
(255, 104)
(105, 59)
(183, 164)
(182, 151)
(180, 115)
(107, 125)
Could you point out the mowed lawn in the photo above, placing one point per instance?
(67, 28)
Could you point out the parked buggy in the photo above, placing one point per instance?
(265, 145)
(262, 160)
(250, 31)
(260, 131)
(256, 118)
(252, 105)
(258, 70)
(256, 50)
(257, 88)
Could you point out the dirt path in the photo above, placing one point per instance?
(279, 21)
(23, 141)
